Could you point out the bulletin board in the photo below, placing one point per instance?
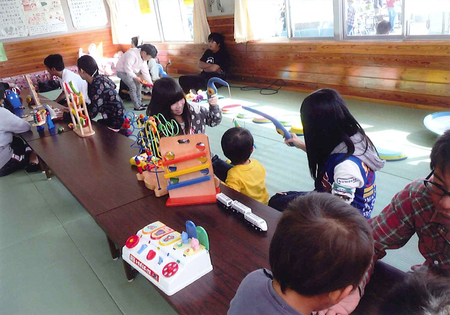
(87, 13)
(12, 19)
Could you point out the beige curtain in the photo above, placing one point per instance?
(114, 14)
(201, 26)
(242, 27)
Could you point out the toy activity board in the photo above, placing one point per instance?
(78, 111)
(169, 259)
(188, 170)
(34, 95)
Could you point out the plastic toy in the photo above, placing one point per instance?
(145, 83)
(195, 96)
(298, 130)
(391, 155)
(257, 222)
(169, 259)
(261, 120)
(244, 115)
(278, 126)
(188, 169)
(60, 129)
(212, 90)
(437, 122)
(78, 111)
(13, 98)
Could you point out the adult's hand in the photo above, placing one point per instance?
(296, 141)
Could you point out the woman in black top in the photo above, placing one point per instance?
(213, 64)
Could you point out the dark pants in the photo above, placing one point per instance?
(199, 81)
(280, 201)
(22, 151)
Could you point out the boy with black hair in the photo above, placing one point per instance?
(319, 252)
(213, 63)
(55, 66)
(418, 294)
(15, 154)
(247, 175)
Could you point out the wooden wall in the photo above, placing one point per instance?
(407, 73)
(28, 55)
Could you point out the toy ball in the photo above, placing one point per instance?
(29, 99)
(60, 129)
(71, 125)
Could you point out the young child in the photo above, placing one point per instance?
(418, 294)
(132, 63)
(169, 100)
(55, 66)
(319, 252)
(247, 175)
(342, 160)
(103, 94)
(15, 154)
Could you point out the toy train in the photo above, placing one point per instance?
(228, 203)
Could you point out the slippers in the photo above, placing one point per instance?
(32, 167)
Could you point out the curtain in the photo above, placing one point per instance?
(122, 26)
(201, 26)
(257, 19)
(114, 15)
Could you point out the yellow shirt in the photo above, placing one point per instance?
(249, 179)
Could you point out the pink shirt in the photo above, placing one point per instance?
(132, 63)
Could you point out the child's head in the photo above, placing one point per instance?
(440, 154)
(168, 99)
(54, 64)
(87, 66)
(383, 27)
(135, 41)
(2, 94)
(326, 123)
(321, 247)
(418, 294)
(216, 41)
(237, 145)
(148, 51)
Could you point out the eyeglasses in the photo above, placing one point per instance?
(434, 187)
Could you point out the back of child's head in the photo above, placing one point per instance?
(2, 93)
(320, 245)
(440, 154)
(135, 41)
(54, 61)
(326, 123)
(418, 294)
(218, 38)
(383, 27)
(166, 92)
(87, 64)
(149, 49)
(237, 145)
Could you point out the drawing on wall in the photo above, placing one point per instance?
(87, 13)
(44, 16)
(12, 19)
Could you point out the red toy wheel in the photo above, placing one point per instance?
(170, 269)
(132, 241)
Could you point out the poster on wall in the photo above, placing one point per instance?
(87, 13)
(44, 16)
(12, 19)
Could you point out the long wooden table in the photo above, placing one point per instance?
(97, 172)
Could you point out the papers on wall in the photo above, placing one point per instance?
(145, 6)
(44, 16)
(2, 53)
(12, 19)
(87, 13)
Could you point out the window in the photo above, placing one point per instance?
(268, 18)
(176, 19)
(428, 18)
(312, 18)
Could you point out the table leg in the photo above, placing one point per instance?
(115, 253)
(44, 168)
(130, 273)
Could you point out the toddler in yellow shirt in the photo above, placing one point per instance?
(247, 175)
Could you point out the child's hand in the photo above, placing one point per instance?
(296, 141)
(213, 100)
(137, 80)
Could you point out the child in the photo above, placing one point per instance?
(103, 94)
(418, 294)
(15, 154)
(132, 63)
(55, 66)
(342, 159)
(168, 99)
(318, 255)
(213, 63)
(247, 175)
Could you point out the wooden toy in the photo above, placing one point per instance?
(78, 111)
(169, 259)
(34, 95)
(188, 169)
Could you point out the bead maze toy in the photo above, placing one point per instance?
(34, 95)
(78, 111)
(169, 259)
(188, 169)
(257, 222)
(278, 126)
